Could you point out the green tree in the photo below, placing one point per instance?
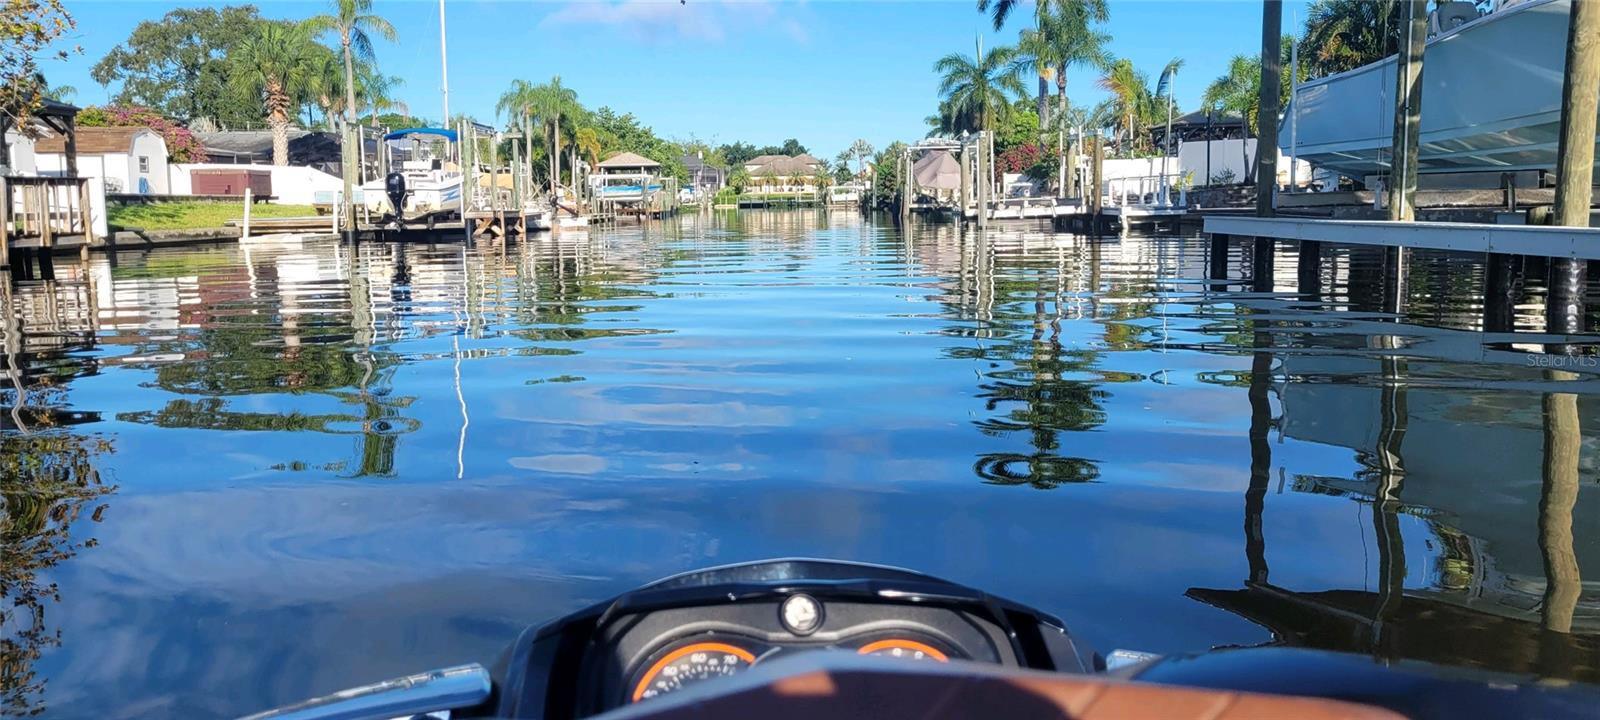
(862, 150)
(979, 89)
(791, 147)
(1135, 103)
(354, 23)
(178, 65)
(27, 27)
(376, 91)
(737, 153)
(1238, 90)
(1343, 35)
(1055, 41)
(275, 66)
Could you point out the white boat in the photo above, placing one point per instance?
(1491, 97)
(430, 165)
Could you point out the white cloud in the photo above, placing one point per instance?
(670, 20)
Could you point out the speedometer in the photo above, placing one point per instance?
(691, 664)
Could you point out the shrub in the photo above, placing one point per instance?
(182, 145)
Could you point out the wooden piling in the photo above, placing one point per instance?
(1267, 122)
(5, 223)
(982, 181)
(1218, 265)
(1408, 113)
(1580, 95)
(1262, 264)
(244, 234)
(347, 161)
(1098, 174)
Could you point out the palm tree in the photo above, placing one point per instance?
(587, 140)
(999, 10)
(1239, 91)
(1056, 39)
(977, 88)
(861, 149)
(276, 64)
(548, 104)
(1343, 35)
(376, 92)
(325, 83)
(1137, 106)
(354, 22)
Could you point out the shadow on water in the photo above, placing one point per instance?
(337, 463)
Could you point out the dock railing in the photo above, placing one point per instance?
(39, 212)
(1145, 191)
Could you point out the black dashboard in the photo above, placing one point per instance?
(698, 627)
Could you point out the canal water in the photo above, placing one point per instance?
(241, 475)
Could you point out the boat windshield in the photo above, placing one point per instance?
(420, 151)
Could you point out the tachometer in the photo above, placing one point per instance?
(903, 648)
(690, 664)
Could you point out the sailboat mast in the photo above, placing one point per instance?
(444, 66)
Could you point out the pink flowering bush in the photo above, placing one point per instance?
(182, 145)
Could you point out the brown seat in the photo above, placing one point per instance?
(837, 686)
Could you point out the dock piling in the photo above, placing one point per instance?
(1219, 257)
(1580, 96)
(1407, 113)
(1267, 130)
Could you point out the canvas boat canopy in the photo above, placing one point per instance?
(937, 170)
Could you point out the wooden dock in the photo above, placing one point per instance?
(1534, 240)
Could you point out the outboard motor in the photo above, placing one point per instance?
(394, 186)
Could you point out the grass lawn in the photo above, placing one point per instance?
(194, 215)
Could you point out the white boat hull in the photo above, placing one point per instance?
(1491, 100)
(422, 198)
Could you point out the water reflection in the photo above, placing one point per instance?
(337, 463)
(50, 487)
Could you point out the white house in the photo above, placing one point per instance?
(19, 154)
(128, 159)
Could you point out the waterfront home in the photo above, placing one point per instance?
(784, 173)
(703, 176)
(307, 148)
(128, 159)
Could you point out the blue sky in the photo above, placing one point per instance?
(825, 72)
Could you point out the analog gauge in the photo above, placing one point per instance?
(690, 664)
(904, 648)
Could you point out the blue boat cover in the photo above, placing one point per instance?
(446, 134)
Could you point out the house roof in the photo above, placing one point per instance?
(628, 160)
(782, 165)
(693, 162)
(94, 140)
(1219, 118)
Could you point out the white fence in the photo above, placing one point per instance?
(291, 184)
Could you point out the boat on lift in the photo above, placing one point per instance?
(1491, 96)
(425, 187)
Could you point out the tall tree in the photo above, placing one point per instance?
(376, 92)
(178, 65)
(1137, 105)
(861, 149)
(1239, 90)
(27, 28)
(1059, 27)
(1343, 35)
(978, 89)
(355, 23)
(546, 104)
(275, 66)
